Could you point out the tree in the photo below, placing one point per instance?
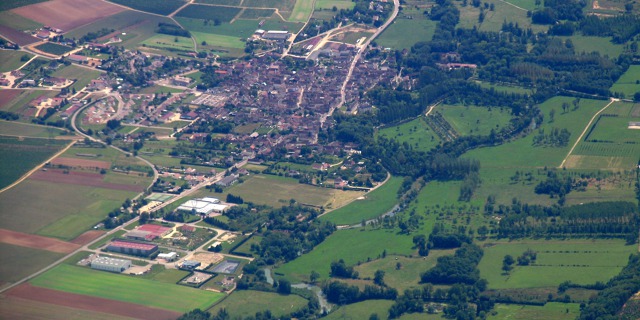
(314, 276)
(507, 263)
(378, 278)
(284, 286)
(552, 114)
(144, 218)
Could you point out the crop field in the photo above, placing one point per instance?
(29, 261)
(525, 4)
(83, 76)
(518, 154)
(17, 22)
(68, 14)
(472, 120)
(302, 11)
(282, 5)
(629, 82)
(196, 11)
(53, 48)
(404, 32)
(19, 155)
(415, 132)
(117, 158)
(361, 310)
(375, 204)
(162, 7)
(125, 288)
(550, 311)
(11, 4)
(216, 40)
(244, 303)
(11, 128)
(251, 13)
(11, 60)
(163, 41)
(221, 2)
(329, 4)
(20, 103)
(352, 245)
(12, 307)
(581, 261)
(408, 276)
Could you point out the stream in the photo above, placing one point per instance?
(324, 304)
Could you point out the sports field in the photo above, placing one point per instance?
(375, 204)
(415, 132)
(581, 261)
(550, 311)
(473, 120)
(19, 155)
(125, 288)
(244, 303)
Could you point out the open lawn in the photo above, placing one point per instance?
(415, 132)
(375, 204)
(361, 310)
(83, 76)
(244, 303)
(164, 41)
(19, 155)
(472, 120)
(550, 311)
(409, 28)
(301, 11)
(602, 45)
(504, 88)
(581, 261)
(25, 260)
(12, 60)
(216, 40)
(352, 245)
(629, 82)
(329, 4)
(125, 288)
(408, 276)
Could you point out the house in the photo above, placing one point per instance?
(77, 58)
(181, 81)
(276, 35)
(43, 34)
(228, 180)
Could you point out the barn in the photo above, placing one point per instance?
(132, 248)
(110, 264)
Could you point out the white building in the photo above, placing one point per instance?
(110, 264)
(168, 256)
(202, 206)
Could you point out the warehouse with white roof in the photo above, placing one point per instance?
(204, 206)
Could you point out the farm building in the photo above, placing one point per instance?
(228, 180)
(133, 248)
(168, 256)
(110, 264)
(276, 35)
(202, 206)
(76, 58)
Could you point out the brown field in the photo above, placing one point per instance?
(76, 301)
(83, 179)
(19, 308)
(73, 162)
(87, 237)
(36, 242)
(17, 36)
(68, 14)
(7, 95)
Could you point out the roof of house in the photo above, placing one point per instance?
(132, 245)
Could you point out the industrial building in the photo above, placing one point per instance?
(132, 248)
(190, 264)
(276, 35)
(168, 256)
(204, 206)
(110, 264)
(148, 232)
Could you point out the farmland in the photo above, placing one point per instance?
(602, 45)
(68, 14)
(362, 310)
(20, 103)
(550, 311)
(12, 307)
(12, 60)
(125, 288)
(19, 155)
(375, 204)
(171, 43)
(301, 11)
(162, 7)
(629, 82)
(329, 4)
(17, 21)
(246, 303)
(29, 130)
(415, 132)
(195, 11)
(472, 120)
(493, 20)
(31, 260)
(410, 27)
(10, 4)
(53, 48)
(581, 261)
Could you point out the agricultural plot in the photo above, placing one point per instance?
(217, 41)
(27, 261)
(82, 76)
(352, 245)
(374, 204)
(9, 128)
(68, 14)
(244, 303)
(415, 132)
(170, 43)
(550, 311)
(505, 89)
(19, 155)
(53, 48)
(221, 2)
(472, 120)
(301, 11)
(602, 45)
(12, 60)
(362, 310)
(493, 20)
(11, 4)
(124, 288)
(205, 12)
(581, 261)
(17, 101)
(252, 13)
(162, 7)
(329, 4)
(12, 307)
(629, 82)
(409, 28)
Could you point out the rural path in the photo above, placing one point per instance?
(513, 5)
(432, 107)
(394, 14)
(585, 130)
(38, 167)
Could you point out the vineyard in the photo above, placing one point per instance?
(441, 127)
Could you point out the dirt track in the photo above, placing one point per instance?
(77, 301)
(36, 242)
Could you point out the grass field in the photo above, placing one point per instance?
(415, 132)
(403, 33)
(251, 13)
(217, 40)
(223, 14)
(550, 311)
(493, 20)
(629, 82)
(408, 276)
(329, 4)
(125, 288)
(11, 128)
(17, 21)
(83, 76)
(377, 203)
(27, 261)
(244, 303)
(581, 261)
(362, 310)
(504, 88)
(53, 48)
(352, 245)
(163, 41)
(19, 155)
(301, 11)
(11, 60)
(596, 44)
(472, 120)
(117, 158)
